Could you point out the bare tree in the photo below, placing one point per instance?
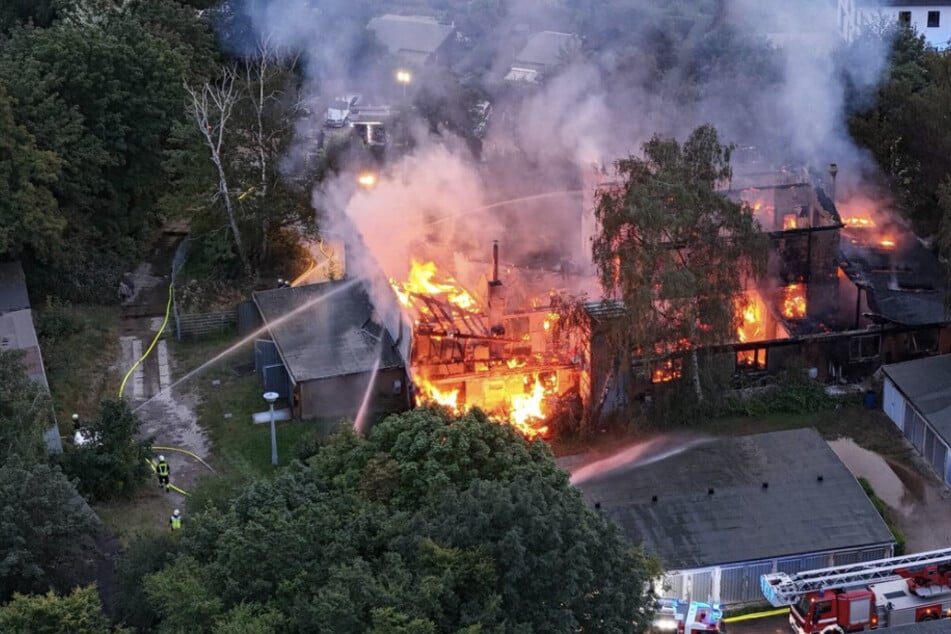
(211, 106)
(263, 86)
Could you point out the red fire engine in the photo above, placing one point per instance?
(865, 596)
(687, 617)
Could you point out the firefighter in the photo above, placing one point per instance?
(175, 521)
(80, 435)
(161, 469)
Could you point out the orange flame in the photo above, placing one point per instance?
(790, 221)
(666, 370)
(793, 302)
(421, 281)
(861, 222)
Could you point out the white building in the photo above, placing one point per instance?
(931, 19)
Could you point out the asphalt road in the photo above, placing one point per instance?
(770, 625)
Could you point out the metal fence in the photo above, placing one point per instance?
(199, 324)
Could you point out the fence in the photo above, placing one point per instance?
(199, 324)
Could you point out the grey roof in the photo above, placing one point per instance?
(546, 48)
(741, 521)
(882, 4)
(926, 383)
(326, 337)
(904, 284)
(17, 333)
(410, 32)
(13, 295)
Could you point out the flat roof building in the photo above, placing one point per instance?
(415, 39)
(721, 514)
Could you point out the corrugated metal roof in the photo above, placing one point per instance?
(927, 384)
(326, 337)
(410, 32)
(546, 48)
(741, 521)
(13, 294)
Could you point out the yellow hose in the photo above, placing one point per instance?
(756, 615)
(168, 310)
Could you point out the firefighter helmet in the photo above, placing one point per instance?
(175, 513)
(75, 418)
(161, 458)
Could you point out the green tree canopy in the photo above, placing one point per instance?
(114, 464)
(430, 524)
(76, 613)
(675, 250)
(25, 411)
(42, 525)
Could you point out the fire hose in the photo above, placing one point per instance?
(756, 615)
(158, 335)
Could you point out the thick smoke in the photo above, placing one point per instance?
(768, 75)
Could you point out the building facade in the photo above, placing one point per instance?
(931, 19)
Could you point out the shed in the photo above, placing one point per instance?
(415, 39)
(542, 51)
(18, 333)
(328, 351)
(917, 398)
(722, 513)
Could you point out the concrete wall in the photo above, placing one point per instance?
(918, 431)
(341, 396)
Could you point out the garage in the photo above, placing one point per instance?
(725, 511)
(917, 398)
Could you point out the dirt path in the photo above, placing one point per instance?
(168, 416)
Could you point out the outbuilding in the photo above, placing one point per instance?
(329, 352)
(725, 511)
(917, 398)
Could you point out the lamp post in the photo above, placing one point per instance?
(270, 397)
(404, 77)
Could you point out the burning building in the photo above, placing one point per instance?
(475, 349)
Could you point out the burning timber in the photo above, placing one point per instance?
(470, 353)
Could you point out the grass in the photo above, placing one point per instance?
(146, 512)
(229, 393)
(80, 344)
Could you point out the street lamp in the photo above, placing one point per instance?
(404, 77)
(270, 397)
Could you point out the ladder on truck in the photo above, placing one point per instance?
(782, 589)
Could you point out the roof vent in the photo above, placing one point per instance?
(597, 505)
(766, 485)
(653, 498)
(709, 491)
(820, 478)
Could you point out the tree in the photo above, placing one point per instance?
(42, 525)
(25, 411)
(29, 214)
(79, 612)
(429, 524)
(674, 250)
(114, 465)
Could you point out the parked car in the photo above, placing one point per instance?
(339, 110)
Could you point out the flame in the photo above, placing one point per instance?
(666, 370)
(887, 242)
(433, 395)
(860, 222)
(420, 281)
(790, 221)
(793, 301)
(528, 409)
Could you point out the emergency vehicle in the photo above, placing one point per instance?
(871, 595)
(687, 617)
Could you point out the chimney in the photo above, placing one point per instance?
(495, 281)
(833, 170)
(496, 295)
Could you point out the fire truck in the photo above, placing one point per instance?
(687, 617)
(865, 596)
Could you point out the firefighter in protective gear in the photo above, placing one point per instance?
(175, 521)
(161, 469)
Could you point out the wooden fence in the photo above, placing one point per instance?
(200, 324)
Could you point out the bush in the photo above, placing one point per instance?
(114, 465)
(146, 554)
